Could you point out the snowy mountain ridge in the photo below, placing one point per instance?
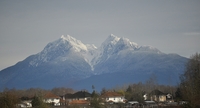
(61, 47)
(67, 62)
(91, 54)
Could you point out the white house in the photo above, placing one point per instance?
(157, 96)
(52, 99)
(113, 97)
(25, 104)
(145, 96)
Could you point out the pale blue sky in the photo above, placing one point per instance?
(26, 26)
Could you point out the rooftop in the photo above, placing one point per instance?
(80, 94)
(111, 94)
(50, 95)
(79, 102)
(157, 92)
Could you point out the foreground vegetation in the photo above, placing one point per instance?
(190, 82)
(133, 92)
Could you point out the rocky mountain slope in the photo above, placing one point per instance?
(70, 63)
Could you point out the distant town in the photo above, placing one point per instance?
(148, 95)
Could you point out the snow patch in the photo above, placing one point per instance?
(90, 53)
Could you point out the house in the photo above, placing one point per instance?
(145, 96)
(80, 98)
(81, 95)
(26, 102)
(113, 97)
(52, 99)
(158, 96)
(169, 98)
(79, 102)
(63, 101)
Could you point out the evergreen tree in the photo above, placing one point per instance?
(95, 100)
(37, 102)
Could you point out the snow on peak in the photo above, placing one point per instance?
(88, 52)
(68, 38)
(112, 35)
(110, 41)
(77, 44)
(59, 48)
(91, 54)
(149, 49)
(115, 43)
(113, 40)
(127, 42)
(92, 46)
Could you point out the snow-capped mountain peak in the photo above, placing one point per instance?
(67, 62)
(90, 53)
(109, 43)
(77, 44)
(111, 40)
(59, 48)
(126, 42)
(149, 49)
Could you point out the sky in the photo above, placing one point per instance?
(27, 26)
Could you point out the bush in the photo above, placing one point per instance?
(38, 103)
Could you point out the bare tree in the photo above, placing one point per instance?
(8, 99)
(62, 91)
(190, 81)
(151, 83)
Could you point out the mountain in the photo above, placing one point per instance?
(68, 62)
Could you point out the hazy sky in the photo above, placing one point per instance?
(26, 26)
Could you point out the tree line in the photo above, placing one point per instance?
(10, 97)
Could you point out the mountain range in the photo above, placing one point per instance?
(67, 62)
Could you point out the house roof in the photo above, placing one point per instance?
(79, 102)
(80, 94)
(157, 92)
(50, 95)
(69, 96)
(111, 94)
